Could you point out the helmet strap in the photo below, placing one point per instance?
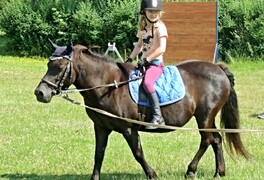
(152, 31)
(144, 13)
(152, 22)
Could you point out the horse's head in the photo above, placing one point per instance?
(59, 75)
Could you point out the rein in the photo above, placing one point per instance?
(114, 84)
(133, 121)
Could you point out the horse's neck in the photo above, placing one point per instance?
(93, 73)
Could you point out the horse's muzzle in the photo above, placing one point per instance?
(43, 96)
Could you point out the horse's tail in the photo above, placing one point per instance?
(230, 118)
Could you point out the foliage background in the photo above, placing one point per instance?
(28, 24)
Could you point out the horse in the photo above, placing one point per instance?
(209, 90)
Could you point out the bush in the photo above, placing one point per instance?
(120, 23)
(29, 23)
(24, 26)
(88, 27)
(81, 21)
(241, 27)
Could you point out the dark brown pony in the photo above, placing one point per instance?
(209, 89)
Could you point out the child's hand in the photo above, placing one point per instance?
(142, 62)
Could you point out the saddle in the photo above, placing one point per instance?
(169, 87)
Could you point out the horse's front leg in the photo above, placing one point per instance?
(101, 138)
(133, 140)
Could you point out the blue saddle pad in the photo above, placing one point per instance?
(169, 86)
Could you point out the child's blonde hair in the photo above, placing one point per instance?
(142, 21)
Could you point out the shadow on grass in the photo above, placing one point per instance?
(104, 176)
(72, 177)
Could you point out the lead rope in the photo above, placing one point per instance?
(133, 121)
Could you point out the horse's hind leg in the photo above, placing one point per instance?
(101, 138)
(192, 167)
(219, 157)
(133, 140)
(215, 140)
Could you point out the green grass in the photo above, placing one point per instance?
(188, 0)
(56, 140)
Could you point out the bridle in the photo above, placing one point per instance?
(58, 87)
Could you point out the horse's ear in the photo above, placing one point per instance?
(70, 47)
(53, 44)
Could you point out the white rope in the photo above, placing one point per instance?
(160, 126)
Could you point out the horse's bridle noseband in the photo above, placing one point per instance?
(67, 72)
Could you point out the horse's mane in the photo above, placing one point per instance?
(80, 49)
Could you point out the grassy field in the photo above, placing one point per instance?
(56, 140)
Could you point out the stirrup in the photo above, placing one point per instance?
(159, 121)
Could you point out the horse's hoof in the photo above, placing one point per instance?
(189, 175)
(152, 178)
(217, 176)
